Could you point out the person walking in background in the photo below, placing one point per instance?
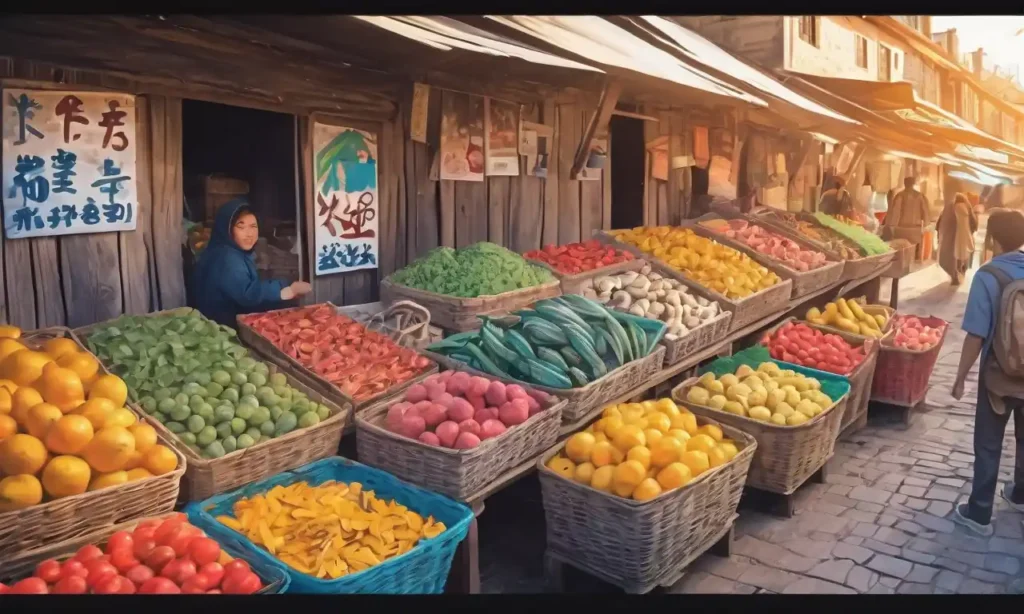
(837, 200)
(956, 226)
(999, 395)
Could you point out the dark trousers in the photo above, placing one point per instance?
(989, 428)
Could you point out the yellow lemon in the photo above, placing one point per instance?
(679, 434)
(674, 475)
(685, 421)
(660, 422)
(584, 473)
(711, 430)
(604, 453)
(622, 489)
(611, 426)
(563, 467)
(668, 407)
(599, 437)
(629, 436)
(647, 490)
(641, 455)
(698, 462)
(730, 449)
(700, 443)
(579, 446)
(652, 436)
(602, 478)
(611, 411)
(717, 457)
(666, 451)
(631, 473)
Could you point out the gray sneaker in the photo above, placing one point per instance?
(1007, 493)
(961, 516)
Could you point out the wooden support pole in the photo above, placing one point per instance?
(798, 161)
(598, 124)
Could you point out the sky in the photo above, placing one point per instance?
(1002, 37)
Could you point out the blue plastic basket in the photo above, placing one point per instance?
(422, 570)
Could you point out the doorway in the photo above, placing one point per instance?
(628, 157)
(236, 152)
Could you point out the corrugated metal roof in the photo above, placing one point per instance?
(595, 38)
(701, 50)
(446, 34)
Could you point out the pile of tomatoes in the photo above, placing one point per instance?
(159, 557)
(577, 258)
(809, 347)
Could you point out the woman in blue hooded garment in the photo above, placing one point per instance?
(226, 280)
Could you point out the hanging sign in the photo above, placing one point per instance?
(68, 163)
(501, 142)
(420, 112)
(345, 207)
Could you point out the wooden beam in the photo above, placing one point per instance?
(798, 161)
(646, 118)
(598, 123)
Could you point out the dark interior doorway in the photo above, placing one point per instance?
(627, 141)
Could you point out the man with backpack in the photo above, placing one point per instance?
(994, 323)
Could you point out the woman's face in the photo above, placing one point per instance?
(246, 231)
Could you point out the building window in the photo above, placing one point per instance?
(862, 50)
(884, 63)
(809, 29)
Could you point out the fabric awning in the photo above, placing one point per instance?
(601, 41)
(874, 95)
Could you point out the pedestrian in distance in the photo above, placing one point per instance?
(994, 323)
(956, 226)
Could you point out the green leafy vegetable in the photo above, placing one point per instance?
(477, 270)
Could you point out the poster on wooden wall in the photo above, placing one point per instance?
(420, 112)
(345, 161)
(501, 145)
(462, 137)
(68, 163)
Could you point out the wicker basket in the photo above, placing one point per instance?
(460, 474)
(66, 518)
(861, 376)
(573, 284)
(681, 348)
(581, 401)
(744, 311)
(884, 310)
(786, 455)
(461, 314)
(275, 580)
(640, 545)
(804, 282)
(206, 477)
(292, 365)
(903, 374)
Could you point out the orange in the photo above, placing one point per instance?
(106, 480)
(40, 418)
(560, 465)
(579, 446)
(674, 476)
(698, 462)
(6, 401)
(10, 332)
(97, 411)
(65, 476)
(8, 385)
(110, 387)
(121, 416)
(69, 435)
(667, 407)
(159, 460)
(658, 421)
(83, 364)
(679, 434)
(611, 410)
(630, 473)
(22, 400)
(602, 478)
(60, 386)
(730, 449)
(700, 443)
(623, 489)
(666, 451)
(135, 461)
(686, 421)
(19, 491)
(59, 346)
(584, 473)
(8, 426)
(711, 430)
(9, 346)
(647, 490)
(110, 449)
(641, 455)
(611, 425)
(717, 457)
(628, 437)
(22, 454)
(145, 436)
(138, 474)
(604, 453)
(24, 366)
(652, 436)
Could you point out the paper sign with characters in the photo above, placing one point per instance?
(68, 162)
(345, 205)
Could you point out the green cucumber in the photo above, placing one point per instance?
(613, 343)
(559, 314)
(494, 346)
(582, 305)
(583, 346)
(554, 358)
(518, 342)
(544, 375)
(572, 358)
(579, 378)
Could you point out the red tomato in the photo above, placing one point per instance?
(241, 584)
(144, 531)
(110, 585)
(70, 585)
(123, 559)
(119, 541)
(160, 556)
(179, 570)
(158, 586)
(236, 564)
(152, 523)
(4, 589)
(48, 571)
(74, 567)
(139, 574)
(143, 547)
(203, 550)
(167, 531)
(30, 586)
(127, 587)
(88, 553)
(198, 583)
(215, 591)
(180, 542)
(99, 571)
(214, 572)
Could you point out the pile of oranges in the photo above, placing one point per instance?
(64, 429)
(641, 450)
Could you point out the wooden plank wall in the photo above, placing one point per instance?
(80, 279)
(668, 202)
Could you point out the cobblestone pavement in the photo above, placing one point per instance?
(880, 525)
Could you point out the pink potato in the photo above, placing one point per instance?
(416, 393)
(447, 432)
(459, 383)
(491, 428)
(434, 390)
(466, 441)
(444, 376)
(429, 438)
(394, 419)
(470, 426)
(478, 386)
(445, 400)
(477, 402)
(538, 395)
(496, 394)
(413, 426)
(435, 414)
(485, 414)
(514, 412)
(534, 406)
(515, 391)
(460, 410)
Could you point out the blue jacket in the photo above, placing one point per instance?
(226, 281)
